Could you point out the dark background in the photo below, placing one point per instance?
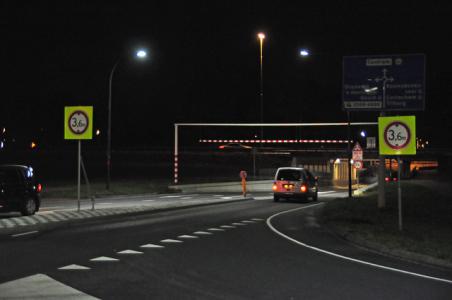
(203, 65)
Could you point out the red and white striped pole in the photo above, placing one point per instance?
(176, 153)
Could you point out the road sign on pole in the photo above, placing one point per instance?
(384, 82)
(397, 135)
(357, 152)
(78, 125)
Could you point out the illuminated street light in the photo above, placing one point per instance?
(304, 52)
(141, 54)
(363, 133)
(261, 37)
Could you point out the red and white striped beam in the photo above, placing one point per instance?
(266, 141)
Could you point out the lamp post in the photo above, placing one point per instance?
(141, 54)
(261, 37)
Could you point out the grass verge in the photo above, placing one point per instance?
(427, 221)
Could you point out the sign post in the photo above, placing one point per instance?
(357, 156)
(397, 137)
(78, 122)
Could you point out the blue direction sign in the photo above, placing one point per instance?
(384, 82)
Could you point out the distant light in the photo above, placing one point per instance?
(33, 145)
(98, 132)
(337, 161)
(363, 133)
(304, 52)
(4, 130)
(371, 90)
(141, 54)
(2, 145)
(261, 36)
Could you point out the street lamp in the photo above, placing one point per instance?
(304, 52)
(261, 37)
(141, 54)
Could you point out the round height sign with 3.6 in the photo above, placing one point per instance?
(78, 122)
(397, 135)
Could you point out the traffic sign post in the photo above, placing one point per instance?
(78, 122)
(397, 137)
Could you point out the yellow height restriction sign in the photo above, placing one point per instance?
(397, 135)
(78, 122)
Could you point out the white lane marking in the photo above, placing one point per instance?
(186, 198)
(186, 236)
(74, 267)
(175, 196)
(40, 286)
(262, 197)
(342, 256)
(152, 246)
(327, 192)
(104, 203)
(148, 200)
(24, 233)
(129, 252)
(170, 241)
(104, 258)
(248, 222)
(227, 226)
(238, 224)
(49, 207)
(202, 233)
(226, 198)
(257, 219)
(215, 229)
(218, 195)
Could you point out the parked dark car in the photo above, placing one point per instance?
(19, 190)
(296, 183)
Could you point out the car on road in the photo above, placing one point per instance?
(19, 190)
(294, 183)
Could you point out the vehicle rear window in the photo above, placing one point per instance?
(289, 175)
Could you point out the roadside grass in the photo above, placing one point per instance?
(98, 188)
(427, 220)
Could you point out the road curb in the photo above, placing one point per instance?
(69, 217)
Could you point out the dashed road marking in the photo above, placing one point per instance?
(152, 246)
(226, 198)
(257, 219)
(74, 267)
(186, 236)
(227, 226)
(248, 222)
(24, 233)
(238, 224)
(327, 192)
(202, 233)
(104, 258)
(149, 200)
(186, 198)
(129, 252)
(215, 229)
(170, 241)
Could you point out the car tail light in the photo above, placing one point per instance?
(394, 179)
(274, 187)
(387, 179)
(303, 188)
(39, 188)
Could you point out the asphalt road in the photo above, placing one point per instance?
(254, 249)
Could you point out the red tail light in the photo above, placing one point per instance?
(387, 179)
(39, 188)
(303, 188)
(274, 187)
(394, 179)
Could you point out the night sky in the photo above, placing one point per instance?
(203, 63)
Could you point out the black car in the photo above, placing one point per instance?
(19, 190)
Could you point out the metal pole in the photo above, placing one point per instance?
(176, 153)
(399, 192)
(261, 42)
(109, 126)
(88, 186)
(381, 177)
(254, 163)
(349, 157)
(78, 173)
